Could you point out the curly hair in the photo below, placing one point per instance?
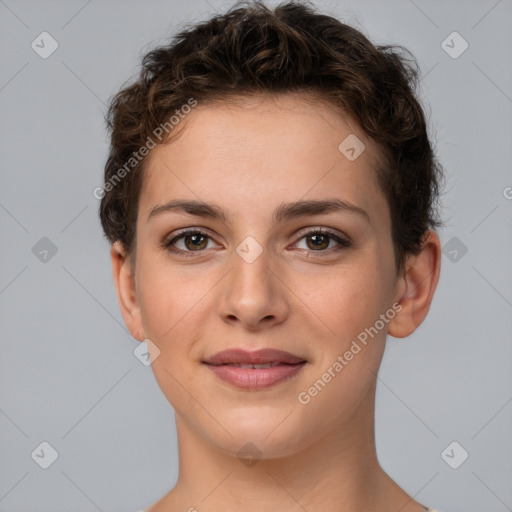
(253, 49)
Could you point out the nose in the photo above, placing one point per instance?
(253, 295)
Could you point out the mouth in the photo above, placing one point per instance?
(254, 366)
(254, 370)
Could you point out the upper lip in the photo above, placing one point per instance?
(262, 356)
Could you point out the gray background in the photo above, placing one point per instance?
(67, 369)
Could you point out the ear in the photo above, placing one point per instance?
(416, 287)
(124, 280)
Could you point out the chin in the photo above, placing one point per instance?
(266, 434)
(248, 447)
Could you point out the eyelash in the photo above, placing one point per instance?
(343, 243)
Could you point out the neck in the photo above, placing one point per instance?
(338, 472)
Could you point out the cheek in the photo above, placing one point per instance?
(345, 300)
(173, 306)
(170, 305)
(348, 302)
(168, 299)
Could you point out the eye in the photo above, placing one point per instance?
(188, 241)
(321, 240)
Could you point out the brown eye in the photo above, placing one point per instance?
(194, 242)
(188, 242)
(318, 241)
(322, 241)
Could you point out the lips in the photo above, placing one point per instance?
(265, 356)
(254, 370)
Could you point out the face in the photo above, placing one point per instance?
(293, 253)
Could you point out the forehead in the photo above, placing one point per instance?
(264, 150)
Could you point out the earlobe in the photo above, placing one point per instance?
(417, 287)
(124, 281)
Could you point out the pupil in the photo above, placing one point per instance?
(318, 240)
(196, 240)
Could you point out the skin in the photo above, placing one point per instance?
(248, 158)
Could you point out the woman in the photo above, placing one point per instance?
(270, 196)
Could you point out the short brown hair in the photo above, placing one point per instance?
(291, 48)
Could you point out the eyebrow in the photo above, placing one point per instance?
(285, 211)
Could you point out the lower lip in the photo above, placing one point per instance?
(252, 378)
